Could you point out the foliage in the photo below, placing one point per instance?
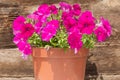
(65, 26)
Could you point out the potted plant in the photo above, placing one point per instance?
(59, 38)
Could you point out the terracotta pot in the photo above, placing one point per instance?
(59, 64)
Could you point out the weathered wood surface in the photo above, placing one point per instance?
(105, 58)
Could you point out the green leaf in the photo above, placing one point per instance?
(89, 40)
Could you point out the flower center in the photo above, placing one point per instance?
(85, 25)
(27, 29)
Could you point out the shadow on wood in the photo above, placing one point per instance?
(91, 70)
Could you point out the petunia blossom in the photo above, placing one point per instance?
(69, 22)
(38, 27)
(76, 9)
(106, 25)
(65, 15)
(47, 33)
(27, 30)
(33, 16)
(86, 23)
(44, 10)
(49, 30)
(24, 47)
(54, 23)
(18, 24)
(65, 7)
(74, 40)
(40, 17)
(74, 29)
(17, 38)
(101, 34)
(53, 9)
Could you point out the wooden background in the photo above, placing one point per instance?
(105, 58)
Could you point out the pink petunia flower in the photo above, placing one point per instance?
(27, 31)
(47, 33)
(41, 17)
(107, 26)
(65, 15)
(33, 16)
(69, 22)
(24, 47)
(86, 23)
(49, 30)
(54, 23)
(103, 30)
(53, 9)
(38, 27)
(44, 10)
(101, 34)
(74, 40)
(76, 9)
(17, 38)
(18, 24)
(74, 29)
(65, 7)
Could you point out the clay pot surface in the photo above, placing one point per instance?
(59, 64)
